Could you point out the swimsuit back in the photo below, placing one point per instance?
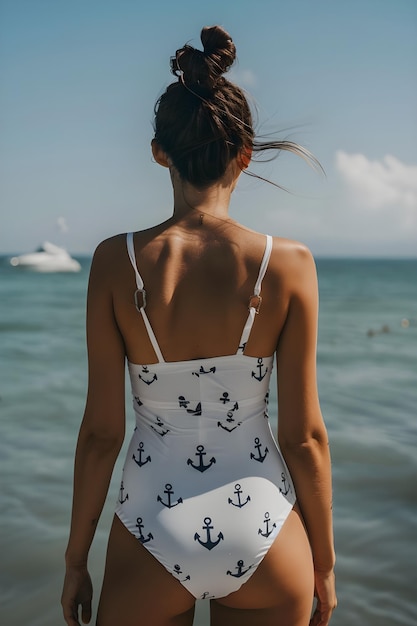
(204, 486)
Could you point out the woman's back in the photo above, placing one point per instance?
(199, 283)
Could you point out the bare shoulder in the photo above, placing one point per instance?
(112, 251)
(293, 263)
(109, 248)
(291, 252)
(110, 256)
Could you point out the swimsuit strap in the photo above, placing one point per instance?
(141, 291)
(255, 300)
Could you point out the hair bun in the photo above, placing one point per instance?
(218, 44)
(204, 69)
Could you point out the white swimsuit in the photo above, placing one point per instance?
(204, 487)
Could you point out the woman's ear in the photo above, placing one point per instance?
(245, 157)
(160, 155)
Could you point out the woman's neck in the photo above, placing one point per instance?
(212, 201)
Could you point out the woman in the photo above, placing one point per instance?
(198, 306)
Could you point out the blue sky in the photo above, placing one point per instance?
(78, 82)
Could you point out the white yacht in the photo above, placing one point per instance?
(47, 258)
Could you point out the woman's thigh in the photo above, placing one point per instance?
(137, 590)
(280, 592)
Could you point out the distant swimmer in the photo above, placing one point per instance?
(384, 329)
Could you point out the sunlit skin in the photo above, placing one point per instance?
(198, 268)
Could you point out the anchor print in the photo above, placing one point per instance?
(260, 376)
(160, 425)
(142, 537)
(196, 411)
(184, 405)
(239, 503)
(242, 347)
(169, 491)
(206, 596)
(266, 522)
(229, 419)
(183, 402)
(121, 490)
(209, 544)
(177, 571)
(229, 428)
(138, 460)
(138, 400)
(225, 397)
(201, 467)
(203, 371)
(235, 408)
(260, 457)
(240, 571)
(147, 381)
(287, 486)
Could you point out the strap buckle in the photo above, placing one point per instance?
(142, 293)
(255, 302)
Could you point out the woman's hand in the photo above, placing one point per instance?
(325, 592)
(77, 590)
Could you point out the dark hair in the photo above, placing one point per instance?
(203, 121)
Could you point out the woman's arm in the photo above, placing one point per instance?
(302, 434)
(101, 433)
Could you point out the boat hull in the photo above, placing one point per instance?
(49, 259)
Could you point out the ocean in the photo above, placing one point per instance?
(367, 370)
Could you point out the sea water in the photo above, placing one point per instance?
(367, 370)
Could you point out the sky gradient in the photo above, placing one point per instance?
(79, 79)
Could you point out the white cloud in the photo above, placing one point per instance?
(373, 213)
(243, 78)
(378, 184)
(62, 225)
